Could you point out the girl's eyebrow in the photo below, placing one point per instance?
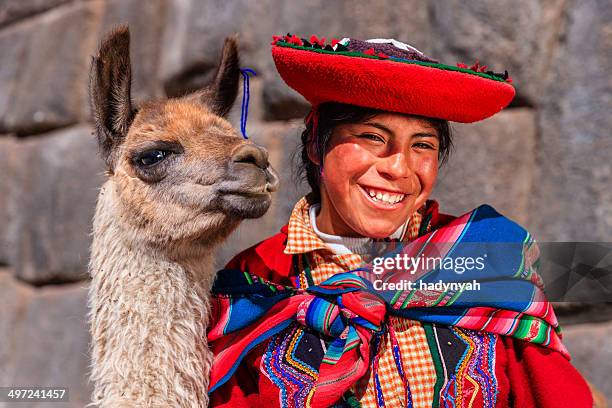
(424, 134)
(380, 126)
(389, 131)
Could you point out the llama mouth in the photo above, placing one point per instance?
(254, 193)
(245, 203)
(248, 197)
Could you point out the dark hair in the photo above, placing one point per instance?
(332, 114)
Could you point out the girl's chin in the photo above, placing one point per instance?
(375, 226)
(379, 232)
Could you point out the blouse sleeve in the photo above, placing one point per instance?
(535, 376)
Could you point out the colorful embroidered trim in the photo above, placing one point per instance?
(339, 49)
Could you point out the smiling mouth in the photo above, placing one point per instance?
(383, 197)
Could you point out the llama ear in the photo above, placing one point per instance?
(221, 93)
(109, 91)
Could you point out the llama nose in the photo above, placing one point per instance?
(250, 153)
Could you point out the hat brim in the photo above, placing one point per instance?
(411, 87)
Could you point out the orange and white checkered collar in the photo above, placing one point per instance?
(301, 237)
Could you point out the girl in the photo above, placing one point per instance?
(302, 318)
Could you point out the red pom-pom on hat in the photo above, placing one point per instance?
(370, 51)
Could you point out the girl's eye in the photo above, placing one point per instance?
(151, 157)
(424, 146)
(372, 136)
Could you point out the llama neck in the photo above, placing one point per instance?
(148, 317)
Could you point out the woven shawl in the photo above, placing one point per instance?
(350, 314)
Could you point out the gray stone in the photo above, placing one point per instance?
(591, 351)
(14, 298)
(8, 211)
(44, 69)
(256, 109)
(195, 31)
(572, 200)
(55, 188)
(48, 57)
(45, 338)
(192, 41)
(520, 37)
(13, 46)
(15, 10)
(492, 163)
(145, 19)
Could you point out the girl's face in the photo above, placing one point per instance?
(376, 174)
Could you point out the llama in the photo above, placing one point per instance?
(180, 180)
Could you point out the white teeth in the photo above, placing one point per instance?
(385, 197)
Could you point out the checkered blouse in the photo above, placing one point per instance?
(418, 363)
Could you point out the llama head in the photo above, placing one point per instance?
(179, 170)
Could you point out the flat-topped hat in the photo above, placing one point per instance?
(389, 75)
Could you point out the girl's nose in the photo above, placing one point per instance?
(395, 166)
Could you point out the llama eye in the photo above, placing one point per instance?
(151, 157)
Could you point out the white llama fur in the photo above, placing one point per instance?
(131, 288)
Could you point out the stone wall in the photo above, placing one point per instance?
(545, 161)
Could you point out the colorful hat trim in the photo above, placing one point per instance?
(370, 53)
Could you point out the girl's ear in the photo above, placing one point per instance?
(311, 150)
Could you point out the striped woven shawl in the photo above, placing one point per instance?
(349, 311)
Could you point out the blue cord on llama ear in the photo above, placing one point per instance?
(245, 99)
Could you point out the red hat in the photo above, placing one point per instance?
(389, 75)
